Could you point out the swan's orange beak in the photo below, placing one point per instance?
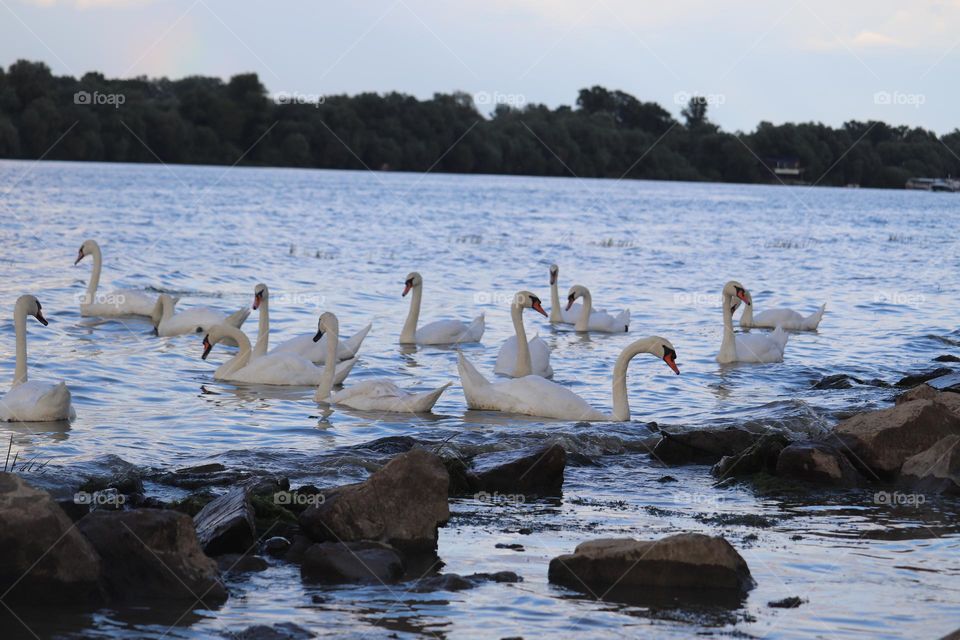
(79, 257)
(206, 347)
(406, 289)
(671, 360)
(256, 300)
(538, 308)
(743, 295)
(570, 302)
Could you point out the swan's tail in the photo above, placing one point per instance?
(472, 380)
(237, 318)
(343, 370)
(476, 328)
(58, 400)
(623, 320)
(423, 402)
(780, 337)
(349, 348)
(811, 322)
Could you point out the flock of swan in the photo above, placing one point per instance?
(321, 359)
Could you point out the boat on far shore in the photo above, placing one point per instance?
(951, 185)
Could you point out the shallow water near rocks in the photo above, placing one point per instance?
(885, 262)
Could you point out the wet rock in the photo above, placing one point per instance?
(882, 440)
(844, 381)
(937, 469)
(126, 482)
(226, 524)
(817, 462)
(702, 446)
(512, 547)
(949, 382)
(193, 503)
(683, 562)
(276, 546)
(213, 467)
(499, 576)
(239, 563)
(455, 582)
(281, 631)
(914, 379)
(267, 486)
(919, 392)
(151, 554)
(947, 358)
(737, 519)
(351, 562)
(787, 603)
(952, 636)
(759, 457)
(203, 476)
(461, 480)
(665, 479)
(534, 471)
(43, 558)
(401, 504)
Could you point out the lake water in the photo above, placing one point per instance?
(887, 263)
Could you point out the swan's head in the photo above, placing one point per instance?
(576, 291)
(665, 351)
(87, 248)
(526, 300)
(328, 322)
(735, 292)
(260, 293)
(554, 272)
(413, 280)
(33, 307)
(214, 335)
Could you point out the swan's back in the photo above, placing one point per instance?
(37, 401)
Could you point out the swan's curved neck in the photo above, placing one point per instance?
(583, 322)
(242, 358)
(95, 274)
(263, 327)
(523, 366)
(728, 347)
(409, 333)
(555, 313)
(329, 368)
(621, 404)
(746, 319)
(166, 307)
(20, 324)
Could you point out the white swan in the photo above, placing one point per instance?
(536, 396)
(122, 302)
(272, 368)
(558, 313)
(302, 345)
(784, 318)
(747, 347)
(30, 400)
(193, 320)
(535, 356)
(439, 331)
(591, 320)
(369, 395)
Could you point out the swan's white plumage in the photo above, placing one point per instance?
(757, 348)
(121, 302)
(439, 331)
(783, 318)
(316, 351)
(539, 357)
(37, 401)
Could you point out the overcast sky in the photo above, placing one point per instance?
(821, 60)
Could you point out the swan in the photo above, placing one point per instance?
(122, 302)
(591, 320)
(558, 313)
(439, 331)
(31, 400)
(302, 345)
(272, 368)
(535, 357)
(785, 318)
(747, 347)
(193, 320)
(536, 396)
(369, 395)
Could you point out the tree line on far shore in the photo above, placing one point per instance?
(607, 134)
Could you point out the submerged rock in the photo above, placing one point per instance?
(787, 603)
(817, 462)
(534, 471)
(240, 563)
(689, 561)
(226, 524)
(152, 554)
(456, 582)
(759, 457)
(947, 357)
(937, 469)
(276, 546)
(914, 379)
(349, 562)
(702, 446)
(882, 440)
(281, 631)
(43, 558)
(402, 504)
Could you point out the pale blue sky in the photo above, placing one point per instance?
(795, 60)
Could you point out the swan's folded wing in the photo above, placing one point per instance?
(370, 389)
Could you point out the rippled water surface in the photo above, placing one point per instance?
(886, 263)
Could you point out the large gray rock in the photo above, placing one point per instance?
(817, 462)
(336, 562)
(42, 557)
(226, 524)
(151, 554)
(688, 561)
(760, 457)
(402, 504)
(937, 469)
(702, 446)
(882, 440)
(534, 471)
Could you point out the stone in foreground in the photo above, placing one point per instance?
(702, 446)
(336, 562)
(678, 563)
(817, 462)
(937, 469)
(42, 557)
(402, 504)
(226, 524)
(534, 471)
